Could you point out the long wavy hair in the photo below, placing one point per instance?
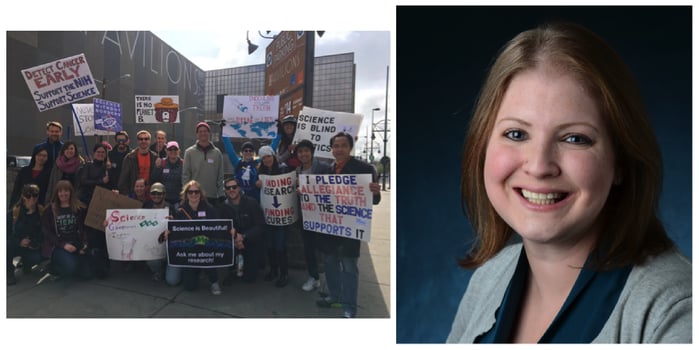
(632, 228)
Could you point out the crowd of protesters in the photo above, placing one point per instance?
(48, 205)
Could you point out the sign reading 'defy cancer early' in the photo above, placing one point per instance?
(278, 199)
(86, 116)
(319, 126)
(60, 82)
(132, 234)
(157, 109)
(250, 116)
(338, 205)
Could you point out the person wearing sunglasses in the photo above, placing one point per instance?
(24, 233)
(244, 167)
(137, 164)
(116, 157)
(249, 225)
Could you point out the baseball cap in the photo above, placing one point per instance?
(157, 187)
(204, 124)
(172, 144)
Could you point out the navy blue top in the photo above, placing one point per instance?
(580, 319)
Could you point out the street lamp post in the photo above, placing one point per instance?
(373, 137)
(385, 156)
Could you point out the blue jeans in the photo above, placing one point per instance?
(173, 275)
(70, 264)
(342, 275)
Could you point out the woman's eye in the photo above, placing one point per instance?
(578, 139)
(515, 135)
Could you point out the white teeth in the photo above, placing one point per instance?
(541, 198)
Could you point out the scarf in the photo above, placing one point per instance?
(69, 166)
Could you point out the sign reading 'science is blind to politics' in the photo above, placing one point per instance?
(319, 126)
(60, 82)
(338, 205)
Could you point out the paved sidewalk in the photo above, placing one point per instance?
(133, 294)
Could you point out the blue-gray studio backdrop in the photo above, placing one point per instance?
(443, 54)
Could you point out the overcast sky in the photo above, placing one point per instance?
(372, 49)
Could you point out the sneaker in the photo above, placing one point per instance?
(215, 289)
(282, 281)
(311, 284)
(348, 314)
(51, 277)
(327, 302)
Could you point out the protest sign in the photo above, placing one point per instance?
(103, 199)
(157, 109)
(132, 234)
(278, 199)
(107, 115)
(60, 82)
(250, 116)
(85, 115)
(200, 243)
(338, 205)
(319, 126)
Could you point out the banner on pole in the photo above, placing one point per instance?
(107, 115)
(200, 243)
(60, 82)
(278, 199)
(132, 234)
(319, 126)
(338, 205)
(250, 116)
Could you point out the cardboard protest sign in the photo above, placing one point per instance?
(132, 234)
(319, 126)
(250, 116)
(60, 82)
(338, 205)
(103, 199)
(85, 115)
(107, 115)
(278, 199)
(157, 109)
(200, 243)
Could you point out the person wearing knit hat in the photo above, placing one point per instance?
(203, 162)
(275, 236)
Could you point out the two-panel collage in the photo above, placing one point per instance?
(474, 174)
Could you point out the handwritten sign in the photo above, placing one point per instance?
(85, 112)
(200, 243)
(250, 116)
(107, 115)
(60, 82)
(157, 109)
(338, 205)
(132, 234)
(104, 199)
(278, 199)
(319, 126)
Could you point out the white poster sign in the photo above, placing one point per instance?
(250, 116)
(278, 199)
(132, 234)
(60, 82)
(157, 109)
(319, 126)
(86, 116)
(338, 205)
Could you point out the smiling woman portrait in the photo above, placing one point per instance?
(561, 178)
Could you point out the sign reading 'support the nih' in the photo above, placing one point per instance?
(338, 205)
(60, 82)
